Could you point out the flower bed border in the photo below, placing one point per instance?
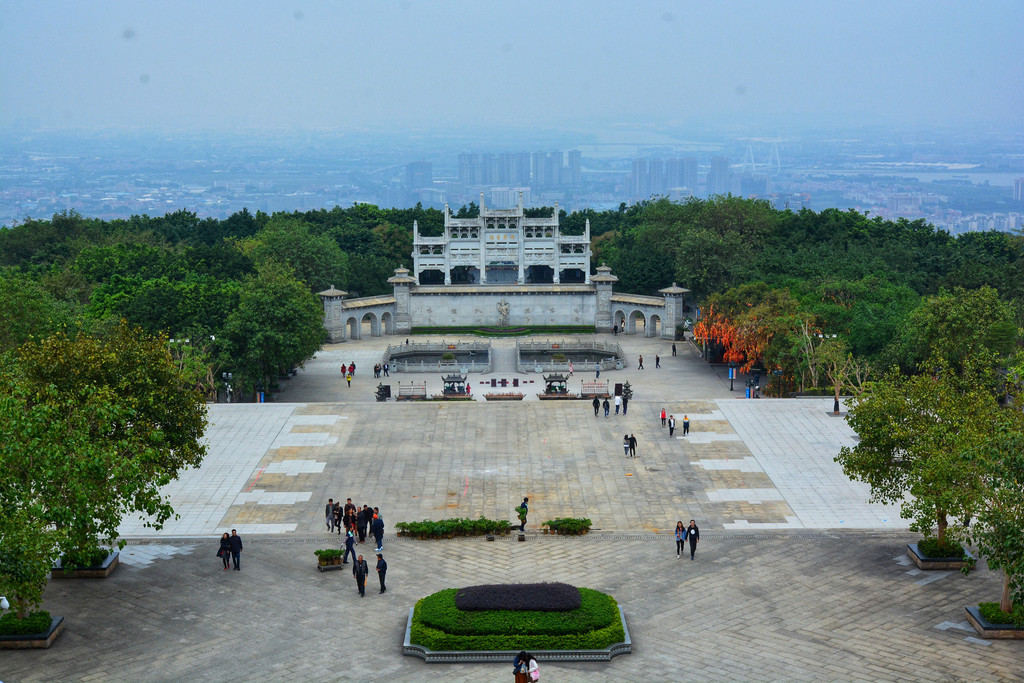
(504, 397)
(987, 628)
(36, 641)
(100, 571)
(927, 563)
(504, 656)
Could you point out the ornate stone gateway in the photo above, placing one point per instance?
(502, 265)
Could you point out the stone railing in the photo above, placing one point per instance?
(614, 361)
(434, 347)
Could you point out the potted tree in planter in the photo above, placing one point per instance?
(998, 531)
(916, 436)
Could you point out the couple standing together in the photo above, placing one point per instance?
(691, 534)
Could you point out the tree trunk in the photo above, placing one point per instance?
(23, 608)
(941, 515)
(1004, 600)
(835, 406)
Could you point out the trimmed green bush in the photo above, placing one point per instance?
(930, 547)
(569, 525)
(328, 554)
(447, 357)
(439, 625)
(35, 622)
(992, 613)
(457, 526)
(93, 557)
(506, 331)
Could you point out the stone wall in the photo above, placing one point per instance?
(578, 306)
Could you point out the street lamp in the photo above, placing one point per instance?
(227, 383)
(732, 373)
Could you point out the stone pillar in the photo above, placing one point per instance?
(403, 300)
(603, 283)
(333, 321)
(674, 316)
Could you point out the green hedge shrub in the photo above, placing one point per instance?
(930, 548)
(991, 612)
(569, 525)
(543, 597)
(456, 526)
(507, 331)
(438, 625)
(328, 554)
(35, 622)
(93, 557)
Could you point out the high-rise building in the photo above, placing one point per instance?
(469, 171)
(718, 179)
(540, 170)
(418, 175)
(554, 169)
(640, 180)
(656, 175)
(681, 173)
(575, 168)
(520, 169)
(1018, 189)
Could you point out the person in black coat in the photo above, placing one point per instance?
(377, 528)
(225, 551)
(382, 569)
(362, 521)
(236, 549)
(692, 535)
(359, 570)
(597, 405)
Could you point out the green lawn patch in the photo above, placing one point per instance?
(439, 625)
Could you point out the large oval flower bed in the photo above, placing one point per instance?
(549, 616)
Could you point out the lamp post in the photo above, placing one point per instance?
(732, 374)
(227, 384)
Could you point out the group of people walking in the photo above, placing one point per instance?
(381, 368)
(689, 534)
(231, 550)
(353, 521)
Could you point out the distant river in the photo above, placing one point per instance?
(1001, 179)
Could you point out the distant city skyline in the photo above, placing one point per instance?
(584, 67)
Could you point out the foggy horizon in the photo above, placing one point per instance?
(460, 68)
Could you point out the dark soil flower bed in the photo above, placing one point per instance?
(544, 597)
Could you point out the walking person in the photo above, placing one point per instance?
(348, 378)
(671, 425)
(522, 510)
(657, 362)
(349, 514)
(337, 512)
(382, 569)
(236, 550)
(350, 547)
(329, 514)
(680, 539)
(570, 368)
(607, 407)
(625, 445)
(632, 446)
(597, 405)
(618, 403)
(640, 365)
(686, 425)
(625, 405)
(673, 349)
(359, 570)
(377, 528)
(692, 535)
(520, 667)
(597, 374)
(225, 551)
(662, 417)
(387, 369)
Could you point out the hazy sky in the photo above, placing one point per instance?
(217, 64)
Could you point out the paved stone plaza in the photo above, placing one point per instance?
(796, 576)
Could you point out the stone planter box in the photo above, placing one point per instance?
(923, 562)
(34, 640)
(558, 397)
(985, 627)
(101, 571)
(505, 656)
(504, 397)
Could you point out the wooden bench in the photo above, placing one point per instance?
(411, 392)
